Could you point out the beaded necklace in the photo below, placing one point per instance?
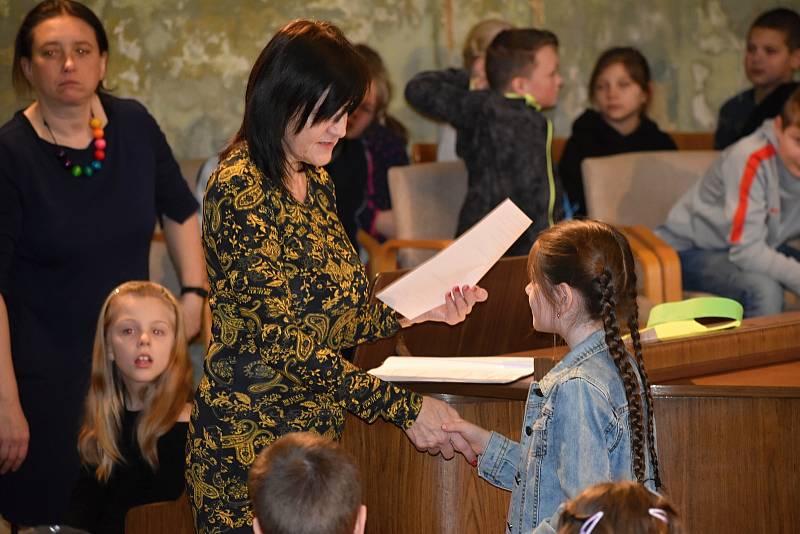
(96, 165)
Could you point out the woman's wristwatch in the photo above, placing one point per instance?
(196, 290)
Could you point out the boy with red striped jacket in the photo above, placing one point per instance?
(731, 228)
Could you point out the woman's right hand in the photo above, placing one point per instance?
(475, 436)
(14, 436)
(427, 435)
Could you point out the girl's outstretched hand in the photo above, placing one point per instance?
(475, 436)
(457, 305)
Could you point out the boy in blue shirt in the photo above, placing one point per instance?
(502, 135)
(772, 57)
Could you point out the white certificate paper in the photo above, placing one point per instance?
(476, 369)
(462, 263)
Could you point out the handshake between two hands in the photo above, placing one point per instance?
(439, 429)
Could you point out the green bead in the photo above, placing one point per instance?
(76, 171)
(88, 171)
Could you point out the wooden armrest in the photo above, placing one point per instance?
(167, 517)
(383, 256)
(652, 285)
(670, 262)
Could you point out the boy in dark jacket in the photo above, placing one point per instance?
(502, 135)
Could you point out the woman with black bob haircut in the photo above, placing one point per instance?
(288, 291)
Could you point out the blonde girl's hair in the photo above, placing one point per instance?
(596, 259)
(164, 399)
(479, 38)
(620, 508)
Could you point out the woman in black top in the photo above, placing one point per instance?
(83, 177)
(620, 91)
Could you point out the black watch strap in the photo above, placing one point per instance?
(196, 290)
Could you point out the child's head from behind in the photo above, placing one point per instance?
(525, 61)
(474, 52)
(787, 132)
(773, 48)
(305, 484)
(620, 84)
(582, 270)
(619, 508)
(139, 362)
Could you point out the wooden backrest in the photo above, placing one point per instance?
(639, 188)
(167, 517)
(426, 201)
(693, 140)
(501, 324)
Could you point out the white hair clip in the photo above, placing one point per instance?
(658, 513)
(589, 524)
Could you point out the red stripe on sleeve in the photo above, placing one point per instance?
(749, 174)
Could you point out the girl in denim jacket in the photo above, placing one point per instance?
(590, 419)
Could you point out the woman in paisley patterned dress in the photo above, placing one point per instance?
(287, 289)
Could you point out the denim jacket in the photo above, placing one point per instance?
(575, 433)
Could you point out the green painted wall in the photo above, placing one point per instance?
(188, 60)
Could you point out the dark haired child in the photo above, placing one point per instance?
(619, 90)
(731, 229)
(590, 419)
(306, 484)
(771, 59)
(502, 136)
(619, 508)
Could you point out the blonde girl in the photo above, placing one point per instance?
(133, 436)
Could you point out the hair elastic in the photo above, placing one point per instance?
(658, 513)
(589, 524)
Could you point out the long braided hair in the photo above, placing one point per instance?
(595, 259)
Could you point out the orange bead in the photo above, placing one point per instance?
(97, 133)
(95, 123)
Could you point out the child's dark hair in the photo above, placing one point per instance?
(790, 114)
(784, 20)
(619, 508)
(513, 53)
(634, 62)
(596, 259)
(304, 484)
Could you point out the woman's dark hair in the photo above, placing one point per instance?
(596, 259)
(379, 78)
(304, 62)
(23, 44)
(634, 62)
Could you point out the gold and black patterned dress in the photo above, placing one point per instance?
(287, 293)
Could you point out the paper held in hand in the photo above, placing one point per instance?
(476, 369)
(462, 263)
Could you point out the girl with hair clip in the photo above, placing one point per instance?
(133, 438)
(620, 90)
(590, 419)
(619, 508)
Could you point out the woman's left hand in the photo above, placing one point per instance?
(192, 305)
(457, 305)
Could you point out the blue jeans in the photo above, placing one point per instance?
(711, 271)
